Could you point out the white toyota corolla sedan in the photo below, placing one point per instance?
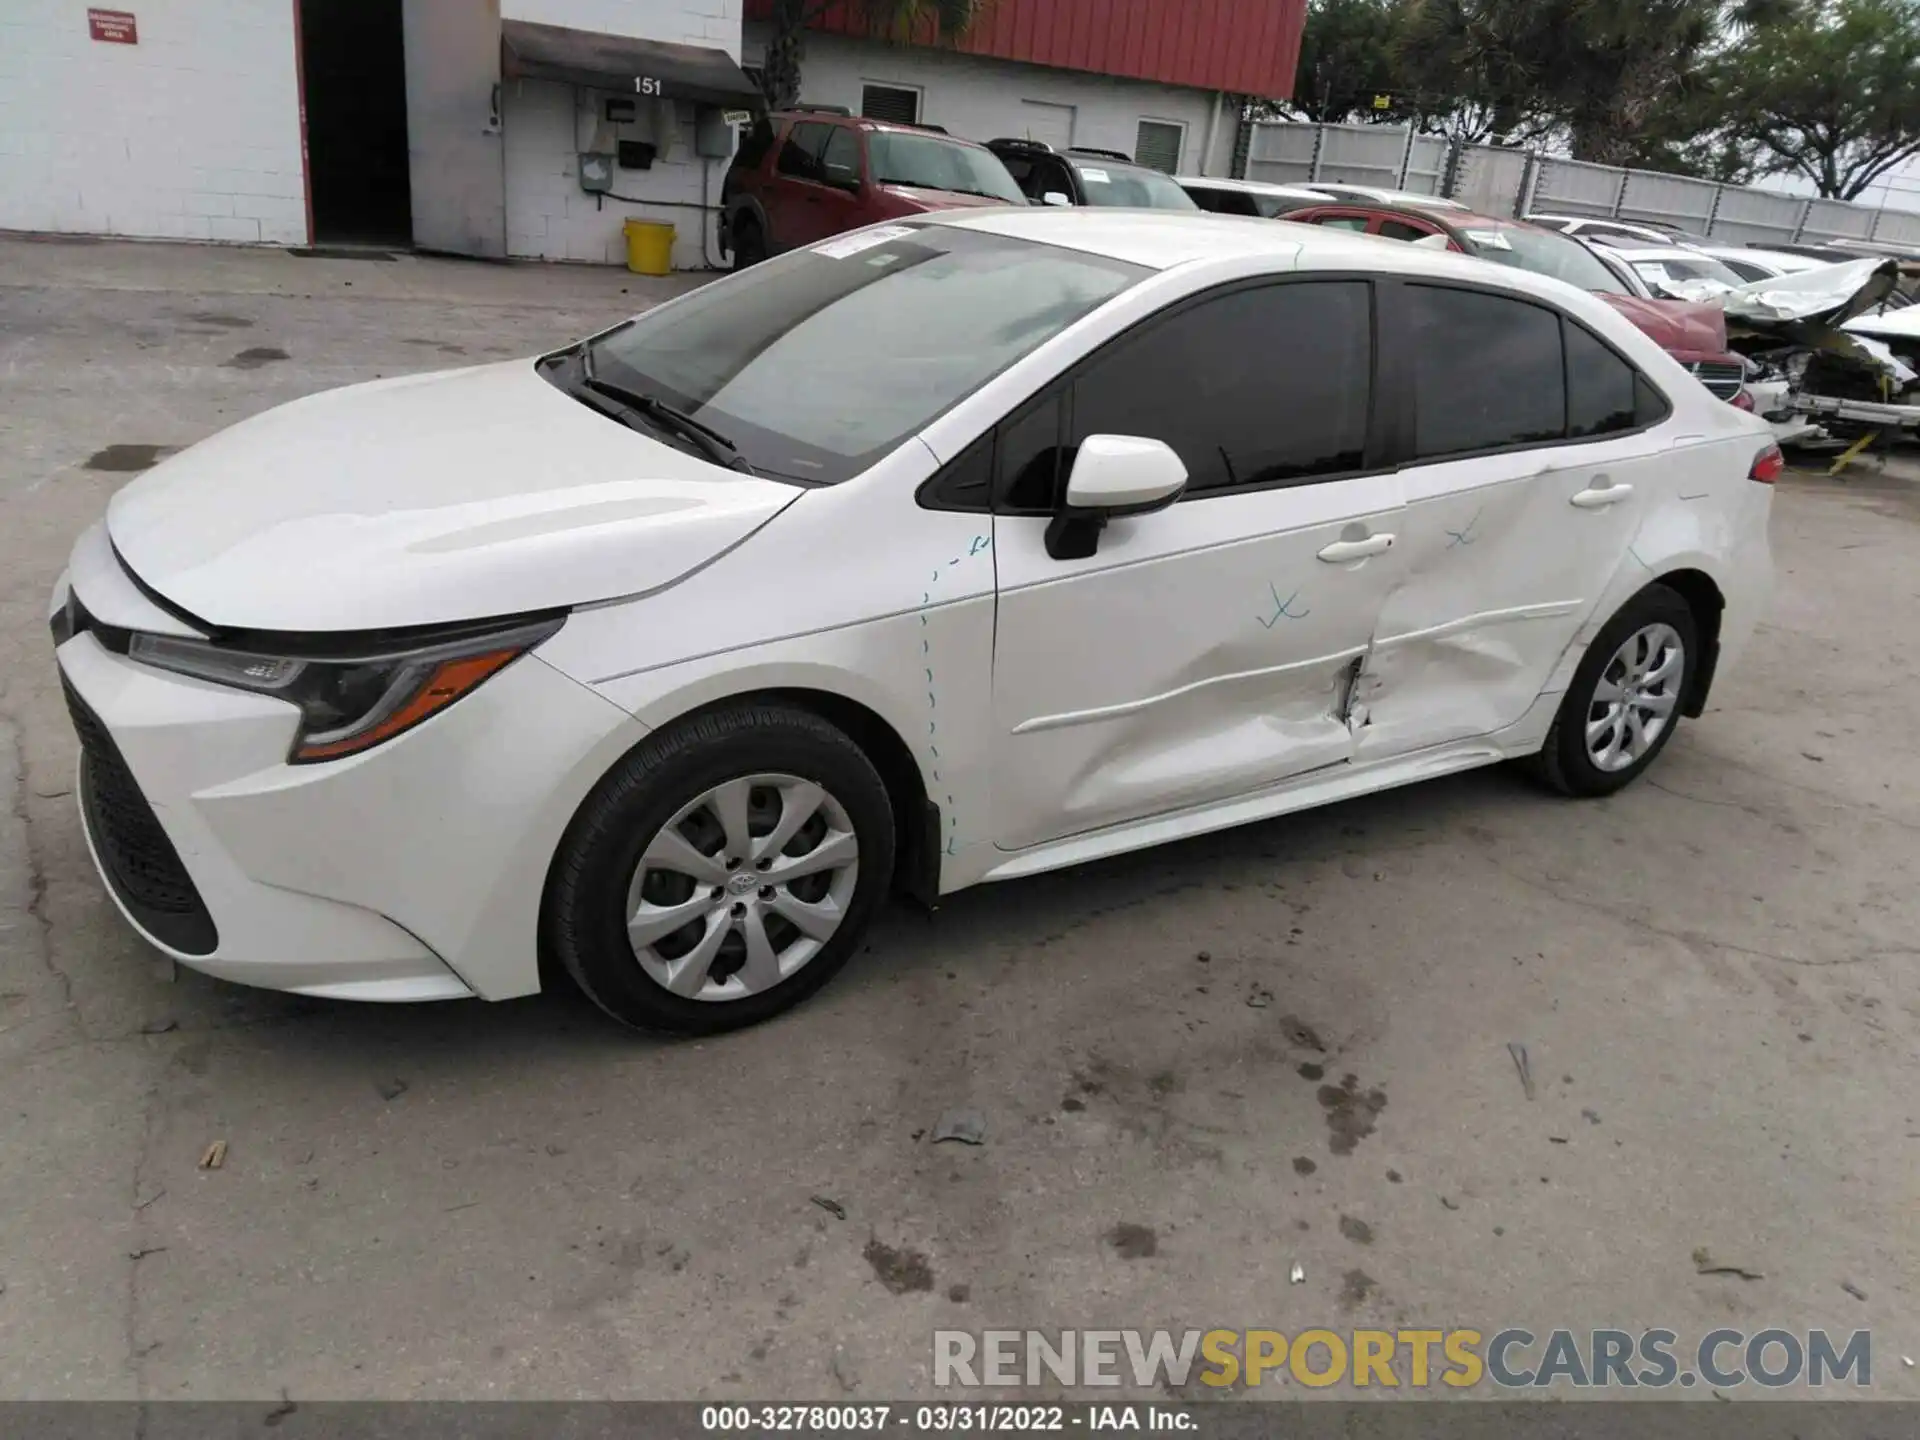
(943, 551)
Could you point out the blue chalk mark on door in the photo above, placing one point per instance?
(1282, 609)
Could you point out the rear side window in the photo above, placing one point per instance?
(755, 144)
(800, 155)
(1487, 372)
(1224, 202)
(1342, 222)
(1256, 387)
(1604, 393)
(1401, 230)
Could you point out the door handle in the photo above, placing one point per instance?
(1598, 497)
(1342, 551)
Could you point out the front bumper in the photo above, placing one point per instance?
(413, 871)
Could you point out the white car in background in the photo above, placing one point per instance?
(949, 550)
(1751, 263)
(1674, 270)
(1608, 231)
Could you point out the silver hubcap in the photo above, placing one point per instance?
(742, 887)
(1638, 692)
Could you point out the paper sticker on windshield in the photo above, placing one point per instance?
(845, 245)
(1492, 239)
(1095, 177)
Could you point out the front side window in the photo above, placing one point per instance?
(1263, 386)
(840, 160)
(818, 363)
(933, 163)
(1487, 372)
(1110, 182)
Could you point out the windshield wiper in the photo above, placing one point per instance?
(675, 421)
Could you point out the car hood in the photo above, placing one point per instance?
(941, 199)
(433, 498)
(1680, 327)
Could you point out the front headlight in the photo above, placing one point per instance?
(353, 700)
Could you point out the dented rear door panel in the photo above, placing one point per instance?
(1504, 558)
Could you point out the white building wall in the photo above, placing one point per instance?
(193, 133)
(545, 126)
(982, 98)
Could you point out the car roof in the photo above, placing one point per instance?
(1165, 239)
(1250, 187)
(1384, 195)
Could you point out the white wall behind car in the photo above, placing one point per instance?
(546, 125)
(193, 133)
(982, 98)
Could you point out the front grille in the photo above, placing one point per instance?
(138, 858)
(1723, 377)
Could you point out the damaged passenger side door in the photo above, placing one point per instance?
(1205, 650)
(1535, 454)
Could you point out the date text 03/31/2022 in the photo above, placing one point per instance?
(943, 1419)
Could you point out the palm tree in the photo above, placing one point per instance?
(943, 20)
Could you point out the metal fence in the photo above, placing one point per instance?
(1499, 181)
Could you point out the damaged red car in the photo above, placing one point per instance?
(1695, 334)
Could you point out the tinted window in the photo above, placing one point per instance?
(1028, 462)
(1343, 222)
(842, 154)
(800, 155)
(755, 144)
(1487, 372)
(1400, 230)
(819, 362)
(1223, 202)
(1601, 394)
(1258, 386)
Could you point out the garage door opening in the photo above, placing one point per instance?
(353, 68)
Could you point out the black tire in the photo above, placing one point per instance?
(749, 242)
(1564, 762)
(585, 915)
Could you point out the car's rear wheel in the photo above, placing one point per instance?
(1624, 702)
(749, 243)
(723, 871)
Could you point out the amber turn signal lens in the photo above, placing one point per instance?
(447, 683)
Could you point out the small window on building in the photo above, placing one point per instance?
(890, 102)
(1158, 143)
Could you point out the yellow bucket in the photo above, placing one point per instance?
(649, 247)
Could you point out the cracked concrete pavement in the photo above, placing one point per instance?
(1712, 974)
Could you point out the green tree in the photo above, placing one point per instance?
(1832, 95)
(1348, 56)
(941, 20)
(1607, 73)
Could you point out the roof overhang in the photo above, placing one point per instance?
(652, 68)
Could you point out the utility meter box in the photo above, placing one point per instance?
(712, 134)
(596, 172)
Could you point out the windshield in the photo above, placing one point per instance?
(818, 363)
(928, 161)
(1545, 252)
(1701, 267)
(1131, 185)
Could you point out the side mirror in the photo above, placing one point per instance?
(1055, 197)
(1112, 476)
(1432, 242)
(843, 177)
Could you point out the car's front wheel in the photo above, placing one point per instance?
(749, 243)
(1624, 702)
(723, 871)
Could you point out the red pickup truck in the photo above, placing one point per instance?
(801, 176)
(1694, 334)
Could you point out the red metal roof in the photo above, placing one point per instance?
(1246, 46)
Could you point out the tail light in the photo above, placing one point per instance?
(1767, 465)
(1742, 401)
